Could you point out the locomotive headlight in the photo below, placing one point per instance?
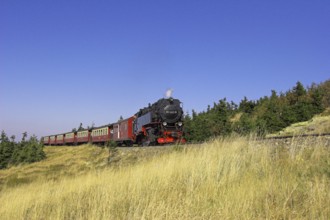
(164, 123)
(180, 123)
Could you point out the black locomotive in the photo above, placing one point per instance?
(160, 123)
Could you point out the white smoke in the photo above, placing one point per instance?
(169, 93)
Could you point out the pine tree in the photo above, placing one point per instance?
(245, 125)
(187, 126)
(120, 118)
(6, 150)
(22, 152)
(246, 106)
(80, 128)
(221, 118)
(316, 102)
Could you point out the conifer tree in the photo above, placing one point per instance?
(6, 150)
(80, 128)
(21, 152)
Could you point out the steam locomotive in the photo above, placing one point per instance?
(158, 124)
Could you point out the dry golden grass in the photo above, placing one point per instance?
(234, 178)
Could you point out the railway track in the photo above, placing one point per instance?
(258, 139)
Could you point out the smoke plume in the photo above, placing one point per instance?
(169, 93)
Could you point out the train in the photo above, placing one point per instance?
(160, 123)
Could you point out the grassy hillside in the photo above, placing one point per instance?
(61, 161)
(64, 161)
(317, 125)
(236, 178)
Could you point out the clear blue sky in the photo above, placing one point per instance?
(64, 62)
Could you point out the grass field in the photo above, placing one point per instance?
(233, 178)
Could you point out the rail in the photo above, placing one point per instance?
(295, 136)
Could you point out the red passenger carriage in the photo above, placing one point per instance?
(60, 139)
(100, 134)
(70, 138)
(83, 136)
(122, 131)
(52, 140)
(46, 140)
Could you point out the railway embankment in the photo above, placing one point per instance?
(305, 141)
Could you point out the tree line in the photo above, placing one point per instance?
(266, 115)
(24, 151)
